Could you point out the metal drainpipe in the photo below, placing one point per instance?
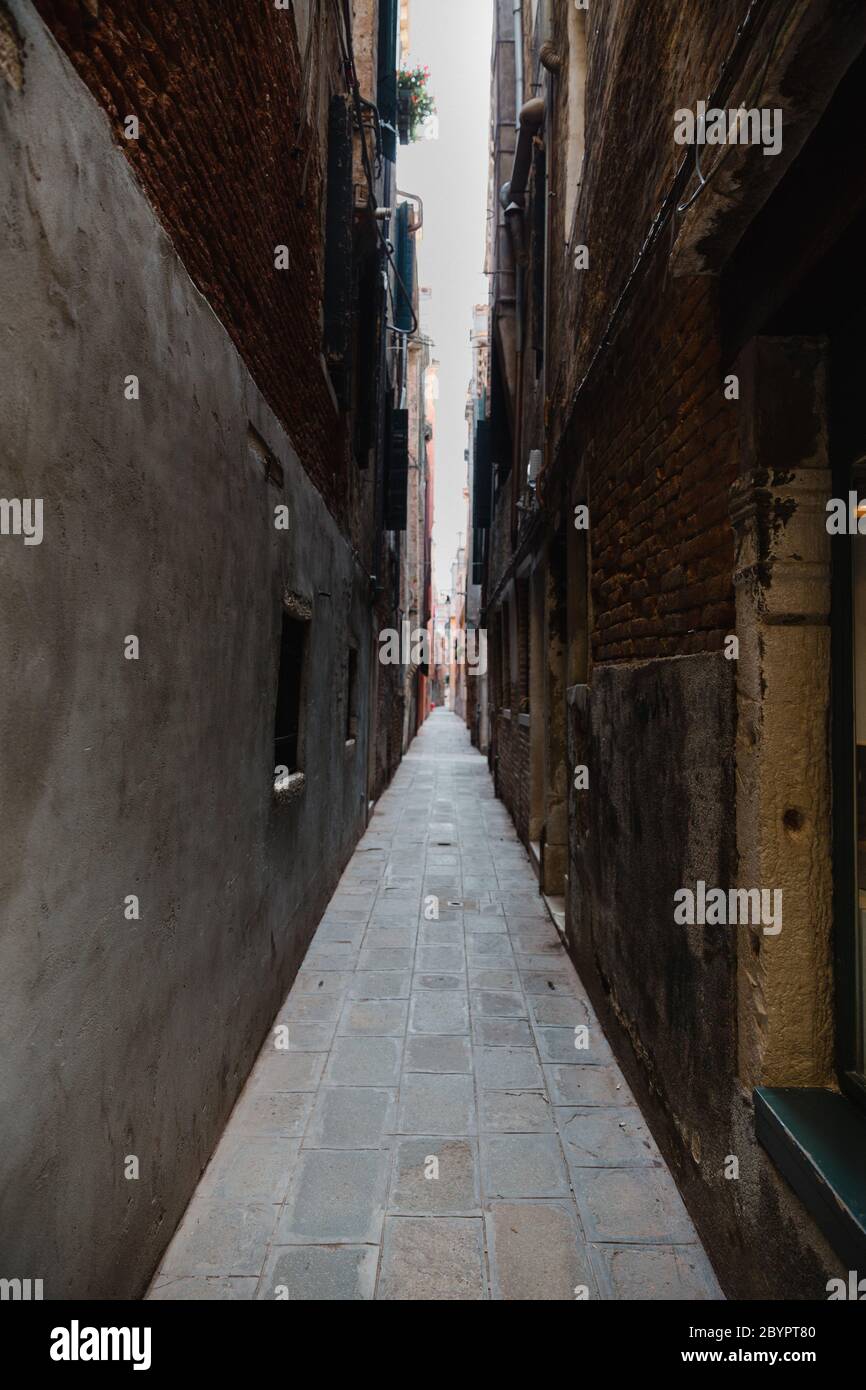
(518, 265)
(518, 58)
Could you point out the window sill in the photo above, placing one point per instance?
(289, 789)
(523, 720)
(817, 1139)
(505, 713)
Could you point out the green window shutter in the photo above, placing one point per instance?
(482, 483)
(397, 485)
(404, 248)
(389, 14)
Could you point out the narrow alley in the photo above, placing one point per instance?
(433, 620)
(424, 1122)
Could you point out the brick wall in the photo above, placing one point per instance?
(512, 769)
(655, 438)
(222, 158)
(661, 456)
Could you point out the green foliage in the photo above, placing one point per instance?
(413, 81)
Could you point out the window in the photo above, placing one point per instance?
(352, 696)
(575, 148)
(287, 727)
(386, 99)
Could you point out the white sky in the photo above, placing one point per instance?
(452, 38)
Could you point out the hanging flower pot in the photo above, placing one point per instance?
(415, 103)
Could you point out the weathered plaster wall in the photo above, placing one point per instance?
(152, 777)
(786, 1025)
(661, 813)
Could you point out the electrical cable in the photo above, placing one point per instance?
(759, 87)
(666, 212)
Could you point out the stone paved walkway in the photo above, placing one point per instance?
(432, 1131)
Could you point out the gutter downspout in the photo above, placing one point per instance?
(513, 199)
(518, 54)
(514, 222)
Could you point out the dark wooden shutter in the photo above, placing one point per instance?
(479, 539)
(389, 15)
(398, 472)
(482, 485)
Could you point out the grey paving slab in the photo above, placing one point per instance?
(515, 1112)
(568, 1011)
(374, 1017)
(351, 1117)
(280, 1070)
(477, 925)
(432, 1124)
(439, 1011)
(310, 1008)
(249, 1168)
(308, 1037)
(440, 959)
(432, 1052)
(587, 1085)
(336, 956)
(573, 1048)
(390, 939)
(435, 1176)
(211, 1288)
(278, 1112)
(631, 1206)
(386, 958)
(500, 1032)
(523, 1165)
(494, 1003)
(550, 983)
(486, 977)
(320, 1274)
(226, 1238)
(333, 933)
(432, 1260)
(602, 1137)
(543, 938)
(437, 1104)
(380, 984)
(363, 1061)
(490, 947)
(321, 982)
(499, 1067)
(441, 934)
(537, 1252)
(336, 1197)
(654, 1273)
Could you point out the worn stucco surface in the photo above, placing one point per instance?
(661, 814)
(150, 777)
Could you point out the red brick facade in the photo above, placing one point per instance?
(233, 166)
